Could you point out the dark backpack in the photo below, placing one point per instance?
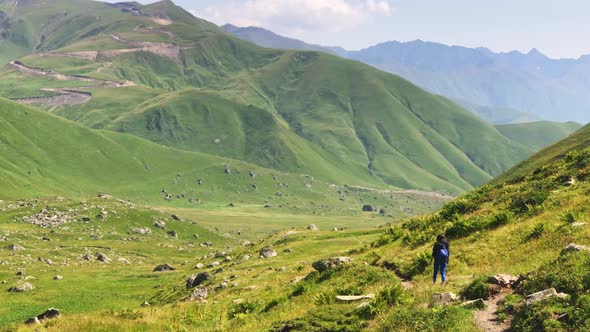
(442, 253)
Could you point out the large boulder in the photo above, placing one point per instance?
(197, 279)
(330, 263)
(543, 295)
(369, 208)
(439, 299)
(49, 314)
(163, 267)
(267, 253)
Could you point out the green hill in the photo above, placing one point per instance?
(537, 135)
(200, 89)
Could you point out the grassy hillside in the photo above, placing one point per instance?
(199, 89)
(537, 135)
(517, 227)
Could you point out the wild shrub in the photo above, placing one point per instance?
(477, 289)
(325, 297)
(418, 265)
(570, 217)
(240, 310)
(299, 289)
(480, 195)
(272, 304)
(538, 231)
(387, 297)
(578, 158)
(464, 227)
(508, 306)
(526, 201)
(390, 235)
(499, 219)
(568, 274)
(459, 207)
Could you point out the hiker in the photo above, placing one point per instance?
(440, 253)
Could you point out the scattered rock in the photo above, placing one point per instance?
(213, 264)
(219, 270)
(199, 266)
(503, 280)
(173, 234)
(102, 258)
(578, 224)
(45, 238)
(279, 194)
(369, 208)
(87, 257)
(572, 247)
(145, 304)
(15, 247)
(330, 263)
(475, 304)
(163, 267)
(543, 295)
(32, 321)
(198, 294)
(312, 227)
(58, 277)
(196, 280)
(21, 288)
(49, 314)
(141, 230)
(267, 253)
(160, 224)
(383, 212)
(443, 298)
(175, 217)
(252, 174)
(350, 298)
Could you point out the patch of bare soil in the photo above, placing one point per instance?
(487, 319)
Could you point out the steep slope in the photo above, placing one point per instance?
(499, 115)
(199, 89)
(537, 135)
(269, 39)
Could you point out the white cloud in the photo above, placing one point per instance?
(297, 16)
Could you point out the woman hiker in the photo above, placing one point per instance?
(440, 253)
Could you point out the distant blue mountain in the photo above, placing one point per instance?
(517, 87)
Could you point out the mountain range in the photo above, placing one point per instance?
(159, 73)
(526, 86)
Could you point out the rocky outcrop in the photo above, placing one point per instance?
(198, 294)
(330, 263)
(503, 280)
(21, 288)
(572, 247)
(267, 253)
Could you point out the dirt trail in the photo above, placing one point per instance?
(64, 96)
(486, 320)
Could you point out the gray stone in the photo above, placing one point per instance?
(21, 288)
(49, 314)
(199, 294)
(443, 298)
(312, 227)
(198, 279)
(572, 247)
(199, 266)
(58, 277)
(267, 253)
(475, 304)
(102, 258)
(213, 264)
(504, 280)
(369, 208)
(173, 234)
(32, 321)
(141, 230)
(14, 247)
(163, 267)
(330, 263)
(578, 224)
(540, 296)
(160, 224)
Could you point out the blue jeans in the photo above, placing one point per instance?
(442, 266)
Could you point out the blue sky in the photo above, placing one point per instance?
(558, 28)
